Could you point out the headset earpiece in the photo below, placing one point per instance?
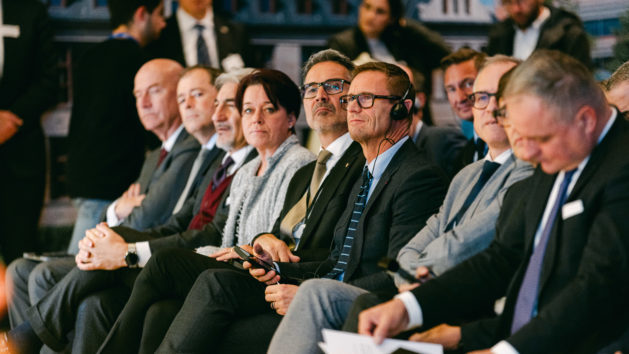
(399, 110)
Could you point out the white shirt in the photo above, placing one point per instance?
(525, 41)
(144, 250)
(418, 130)
(189, 36)
(337, 148)
(112, 218)
(413, 308)
(379, 51)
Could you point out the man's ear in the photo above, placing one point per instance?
(408, 103)
(586, 116)
(141, 15)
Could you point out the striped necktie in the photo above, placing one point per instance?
(359, 206)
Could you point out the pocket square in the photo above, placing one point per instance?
(571, 209)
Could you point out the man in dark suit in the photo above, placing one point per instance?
(316, 196)
(531, 25)
(442, 144)
(195, 35)
(561, 247)
(27, 88)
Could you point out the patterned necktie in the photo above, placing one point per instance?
(298, 212)
(221, 173)
(526, 303)
(203, 56)
(359, 206)
(488, 170)
(481, 148)
(162, 155)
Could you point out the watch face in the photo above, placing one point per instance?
(131, 259)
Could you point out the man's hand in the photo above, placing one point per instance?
(485, 351)
(448, 336)
(130, 199)
(278, 250)
(101, 248)
(280, 296)
(269, 278)
(384, 320)
(422, 274)
(228, 253)
(9, 125)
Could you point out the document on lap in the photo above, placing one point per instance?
(339, 342)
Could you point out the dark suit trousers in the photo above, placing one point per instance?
(53, 317)
(169, 275)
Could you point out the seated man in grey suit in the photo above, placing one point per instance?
(464, 226)
(159, 113)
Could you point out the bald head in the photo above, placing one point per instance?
(155, 91)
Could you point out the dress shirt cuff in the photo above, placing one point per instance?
(503, 347)
(144, 253)
(112, 218)
(415, 317)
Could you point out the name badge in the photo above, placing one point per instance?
(571, 209)
(9, 31)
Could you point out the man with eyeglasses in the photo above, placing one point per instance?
(464, 226)
(531, 25)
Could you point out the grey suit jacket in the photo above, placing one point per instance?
(165, 184)
(441, 250)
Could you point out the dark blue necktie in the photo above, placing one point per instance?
(203, 55)
(359, 206)
(526, 304)
(488, 170)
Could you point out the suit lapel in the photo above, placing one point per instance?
(330, 184)
(390, 170)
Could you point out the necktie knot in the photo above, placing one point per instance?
(489, 167)
(323, 157)
(367, 176)
(199, 27)
(221, 173)
(162, 155)
(480, 147)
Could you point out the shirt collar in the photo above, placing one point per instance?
(338, 146)
(239, 155)
(380, 163)
(187, 21)
(210, 143)
(170, 141)
(418, 129)
(502, 158)
(539, 21)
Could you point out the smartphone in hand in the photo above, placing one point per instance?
(255, 261)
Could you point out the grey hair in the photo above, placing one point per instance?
(326, 55)
(233, 77)
(562, 83)
(498, 59)
(619, 76)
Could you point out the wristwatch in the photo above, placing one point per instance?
(131, 257)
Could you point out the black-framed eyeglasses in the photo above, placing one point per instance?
(365, 100)
(331, 87)
(480, 99)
